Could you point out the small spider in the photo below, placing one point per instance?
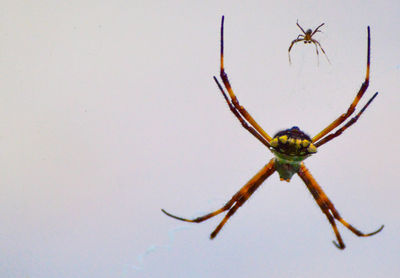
(290, 147)
(307, 38)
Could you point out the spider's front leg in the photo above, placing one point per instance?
(236, 201)
(298, 25)
(328, 208)
(316, 29)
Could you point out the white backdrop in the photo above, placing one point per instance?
(108, 113)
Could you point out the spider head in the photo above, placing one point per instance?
(291, 146)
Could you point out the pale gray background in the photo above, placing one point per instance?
(108, 112)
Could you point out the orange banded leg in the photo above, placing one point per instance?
(347, 125)
(240, 118)
(340, 244)
(232, 95)
(236, 201)
(328, 208)
(353, 105)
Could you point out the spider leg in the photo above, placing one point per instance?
(316, 29)
(295, 41)
(353, 105)
(328, 208)
(302, 30)
(236, 201)
(232, 95)
(291, 45)
(340, 244)
(240, 118)
(347, 125)
(316, 49)
(323, 51)
(226, 218)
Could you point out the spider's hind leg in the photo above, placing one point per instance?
(323, 51)
(233, 98)
(240, 117)
(353, 105)
(316, 49)
(294, 42)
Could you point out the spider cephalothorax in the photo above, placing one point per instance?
(308, 34)
(290, 147)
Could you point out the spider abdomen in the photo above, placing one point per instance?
(291, 146)
(293, 142)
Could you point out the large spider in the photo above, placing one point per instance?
(307, 38)
(290, 147)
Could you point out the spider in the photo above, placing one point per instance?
(290, 147)
(307, 38)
